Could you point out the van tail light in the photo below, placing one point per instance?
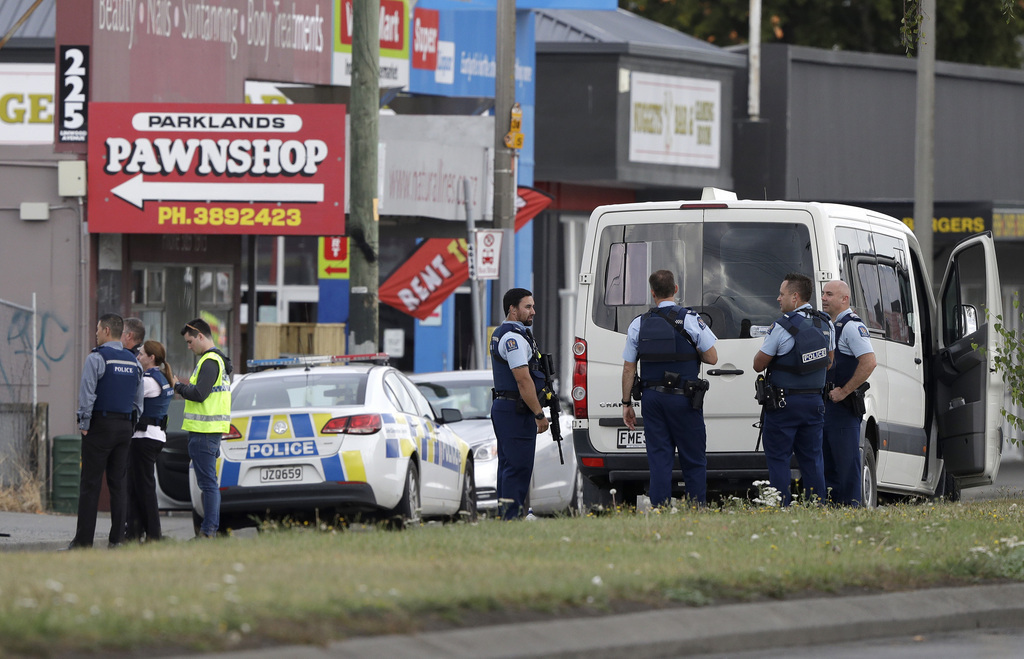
(232, 433)
(579, 379)
(358, 424)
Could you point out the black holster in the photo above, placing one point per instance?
(767, 396)
(855, 400)
(695, 391)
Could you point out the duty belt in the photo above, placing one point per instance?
(504, 395)
(669, 390)
(793, 392)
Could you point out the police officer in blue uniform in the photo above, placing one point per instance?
(797, 353)
(854, 362)
(670, 342)
(109, 400)
(147, 443)
(516, 412)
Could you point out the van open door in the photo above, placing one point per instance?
(969, 392)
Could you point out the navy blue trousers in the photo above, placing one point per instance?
(671, 424)
(796, 430)
(517, 443)
(841, 452)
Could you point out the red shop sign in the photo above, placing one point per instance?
(216, 169)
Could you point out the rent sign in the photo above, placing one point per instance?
(222, 169)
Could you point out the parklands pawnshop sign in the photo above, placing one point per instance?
(216, 169)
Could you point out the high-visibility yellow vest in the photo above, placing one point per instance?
(213, 414)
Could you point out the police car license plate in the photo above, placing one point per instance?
(630, 439)
(280, 474)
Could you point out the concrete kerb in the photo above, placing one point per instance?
(689, 631)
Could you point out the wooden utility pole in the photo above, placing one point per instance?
(362, 228)
(504, 190)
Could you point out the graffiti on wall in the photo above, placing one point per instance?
(53, 344)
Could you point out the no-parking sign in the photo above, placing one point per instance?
(487, 253)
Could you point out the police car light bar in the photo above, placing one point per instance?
(381, 358)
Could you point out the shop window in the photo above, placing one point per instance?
(300, 260)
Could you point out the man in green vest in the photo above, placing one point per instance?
(207, 416)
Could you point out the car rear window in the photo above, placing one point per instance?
(299, 390)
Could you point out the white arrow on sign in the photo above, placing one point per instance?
(137, 192)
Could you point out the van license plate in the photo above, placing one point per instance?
(280, 474)
(630, 439)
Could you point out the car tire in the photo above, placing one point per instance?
(407, 512)
(577, 504)
(467, 506)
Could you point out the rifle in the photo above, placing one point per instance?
(549, 400)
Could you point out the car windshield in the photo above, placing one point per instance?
(472, 397)
(305, 389)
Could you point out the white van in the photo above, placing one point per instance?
(932, 424)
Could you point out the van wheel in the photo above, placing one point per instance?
(869, 479)
(948, 489)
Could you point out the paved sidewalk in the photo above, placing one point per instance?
(47, 531)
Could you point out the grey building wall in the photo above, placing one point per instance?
(843, 127)
(45, 257)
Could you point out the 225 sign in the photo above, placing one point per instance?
(73, 94)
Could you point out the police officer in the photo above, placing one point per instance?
(854, 362)
(147, 443)
(207, 416)
(797, 352)
(109, 400)
(669, 341)
(516, 412)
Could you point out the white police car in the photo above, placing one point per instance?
(357, 440)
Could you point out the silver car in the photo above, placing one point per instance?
(556, 488)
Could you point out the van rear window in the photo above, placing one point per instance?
(728, 271)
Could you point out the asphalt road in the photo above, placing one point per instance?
(1009, 480)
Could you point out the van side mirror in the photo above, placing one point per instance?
(967, 319)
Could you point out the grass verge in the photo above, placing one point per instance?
(310, 586)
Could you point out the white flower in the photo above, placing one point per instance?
(25, 602)
(230, 579)
(859, 529)
(566, 538)
(694, 554)
(754, 536)
(147, 614)
(71, 598)
(597, 581)
(245, 628)
(238, 567)
(55, 586)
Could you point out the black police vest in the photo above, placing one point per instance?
(805, 365)
(156, 407)
(504, 380)
(115, 390)
(843, 365)
(665, 346)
